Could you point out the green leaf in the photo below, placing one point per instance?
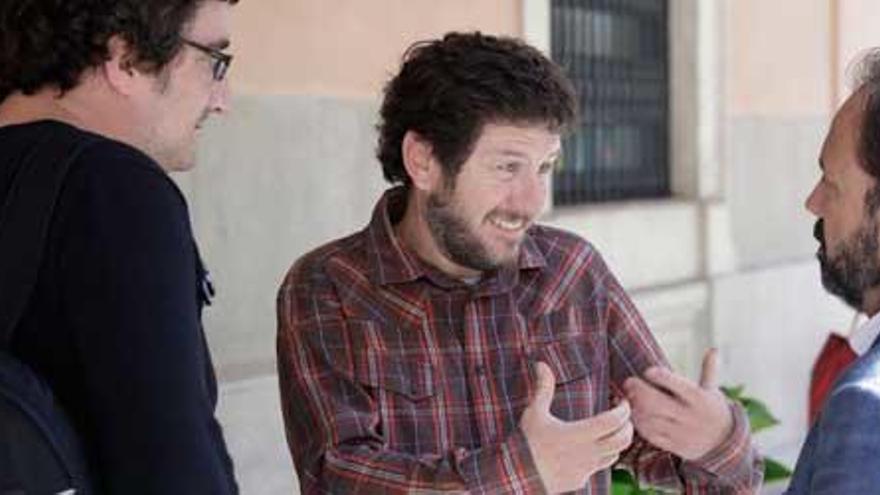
(734, 393)
(623, 489)
(623, 483)
(759, 416)
(775, 470)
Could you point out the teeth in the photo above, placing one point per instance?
(508, 224)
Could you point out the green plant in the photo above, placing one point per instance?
(760, 418)
(623, 483)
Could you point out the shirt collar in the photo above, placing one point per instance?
(392, 263)
(862, 337)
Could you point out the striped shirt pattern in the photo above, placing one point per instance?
(396, 378)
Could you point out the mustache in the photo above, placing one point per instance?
(819, 232)
(819, 235)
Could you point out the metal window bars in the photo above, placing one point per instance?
(616, 53)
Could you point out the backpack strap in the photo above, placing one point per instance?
(25, 220)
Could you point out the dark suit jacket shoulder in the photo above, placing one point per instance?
(840, 453)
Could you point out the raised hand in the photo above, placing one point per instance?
(567, 453)
(678, 415)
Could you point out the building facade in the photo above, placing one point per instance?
(727, 259)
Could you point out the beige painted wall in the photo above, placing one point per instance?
(346, 48)
(290, 168)
(778, 57)
(300, 139)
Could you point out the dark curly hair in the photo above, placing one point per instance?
(52, 42)
(448, 89)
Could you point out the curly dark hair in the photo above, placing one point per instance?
(448, 89)
(52, 42)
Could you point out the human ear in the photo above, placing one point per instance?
(119, 69)
(419, 162)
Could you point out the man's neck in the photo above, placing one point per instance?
(871, 302)
(83, 107)
(19, 108)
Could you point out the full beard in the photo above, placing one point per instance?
(855, 268)
(456, 240)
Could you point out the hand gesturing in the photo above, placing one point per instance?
(567, 453)
(678, 415)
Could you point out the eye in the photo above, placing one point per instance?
(547, 167)
(827, 184)
(509, 168)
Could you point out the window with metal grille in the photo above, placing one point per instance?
(616, 53)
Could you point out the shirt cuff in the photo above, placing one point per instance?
(735, 460)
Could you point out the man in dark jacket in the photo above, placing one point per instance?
(114, 325)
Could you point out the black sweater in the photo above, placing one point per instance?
(114, 323)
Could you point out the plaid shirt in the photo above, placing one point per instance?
(396, 378)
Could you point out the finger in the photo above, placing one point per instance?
(545, 386)
(601, 425)
(659, 440)
(647, 399)
(655, 426)
(709, 373)
(679, 386)
(610, 421)
(607, 461)
(666, 422)
(616, 442)
(657, 431)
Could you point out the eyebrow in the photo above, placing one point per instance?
(221, 45)
(516, 154)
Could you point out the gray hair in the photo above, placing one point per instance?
(865, 76)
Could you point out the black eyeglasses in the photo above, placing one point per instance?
(221, 60)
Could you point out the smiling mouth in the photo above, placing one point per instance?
(510, 224)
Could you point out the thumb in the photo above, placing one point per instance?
(545, 386)
(709, 374)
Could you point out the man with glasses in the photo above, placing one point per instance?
(113, 323)
(221, 61)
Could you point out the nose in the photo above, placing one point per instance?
(220, 97)
(813, 202)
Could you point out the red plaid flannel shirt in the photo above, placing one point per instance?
(398, 379)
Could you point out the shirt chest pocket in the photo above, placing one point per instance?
(580, 380)
(566, 358)
(387, 363)
(393, 376)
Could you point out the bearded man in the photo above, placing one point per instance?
(456, 346)
(839, 455)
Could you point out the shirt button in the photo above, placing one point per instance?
(480, 369)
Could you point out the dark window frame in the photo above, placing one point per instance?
(617, 54)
